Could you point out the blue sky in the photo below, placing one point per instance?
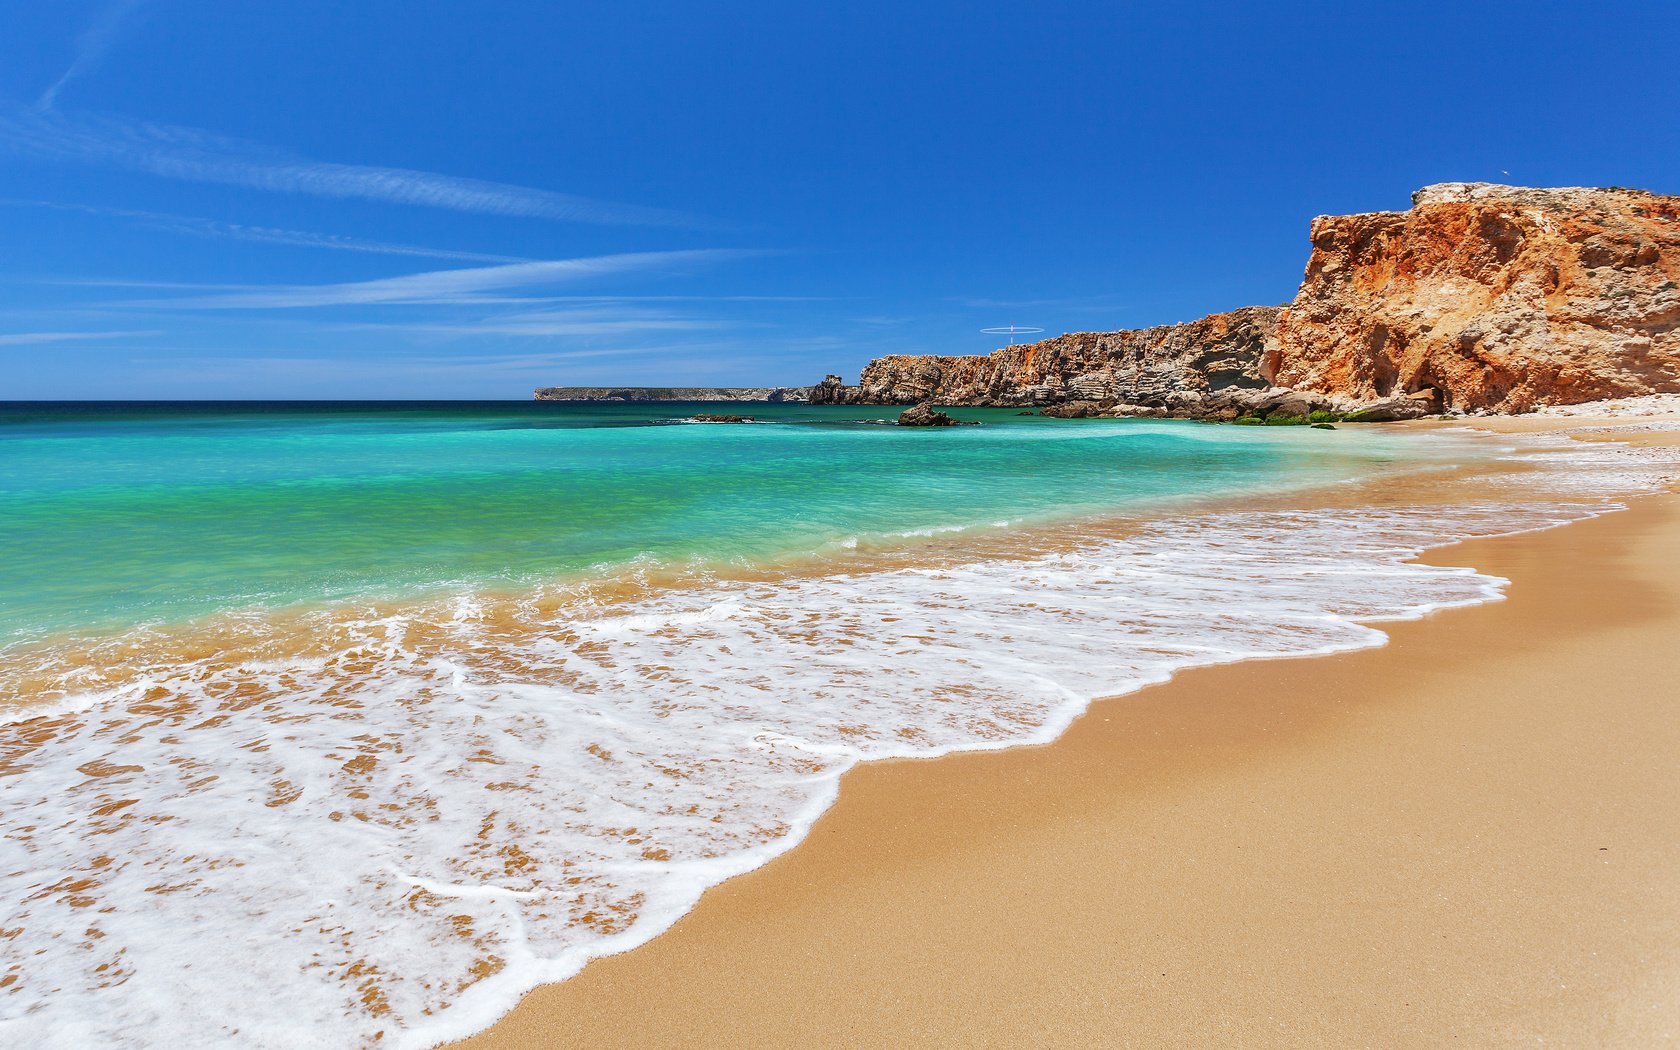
(390, 199)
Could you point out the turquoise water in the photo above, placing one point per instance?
(115, 514)
(410, 814)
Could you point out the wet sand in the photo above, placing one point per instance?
(1466, 837)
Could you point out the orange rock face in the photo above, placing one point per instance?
(1499, 298)
(1133, 367)
(1480, 298)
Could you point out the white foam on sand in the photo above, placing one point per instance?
(396, 828)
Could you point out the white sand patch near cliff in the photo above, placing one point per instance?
(1649, 405)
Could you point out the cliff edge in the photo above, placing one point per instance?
(1162, 366)
(1498, 298)
(1479, 298)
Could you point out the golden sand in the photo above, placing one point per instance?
(1467, 837)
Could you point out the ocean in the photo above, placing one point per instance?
(327, 724)
(126, 514)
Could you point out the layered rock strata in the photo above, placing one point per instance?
(1480, 298)
(1163, 366)
(1499, 298)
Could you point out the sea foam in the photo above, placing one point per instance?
(384, 824)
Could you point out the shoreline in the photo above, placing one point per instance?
(50, 658)
(990, 897)
(379, 717)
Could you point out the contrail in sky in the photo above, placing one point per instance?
(91, 48)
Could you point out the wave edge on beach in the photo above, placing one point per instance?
(415, 813)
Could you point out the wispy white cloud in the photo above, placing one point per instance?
(676, 298)
(308, 239)
(881, 321)
(40, 338)
(538, 300)
(488, 372)
(1091, 302)
(131, 282)
(91, 48)
(442, 286)
(561, 323)
(198, 156)
(575, 318)
(197, 227)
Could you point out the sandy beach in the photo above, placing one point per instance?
(1464, 837)
(549, 525)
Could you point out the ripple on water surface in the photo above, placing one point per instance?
(390, 819)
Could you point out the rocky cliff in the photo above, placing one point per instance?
(1480, 298)
(1497, 297)
(1148, 366)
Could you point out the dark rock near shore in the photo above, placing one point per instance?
(1389, 411)
(1073, 410)
(1296, 405)
(705, 418)
(925, 415)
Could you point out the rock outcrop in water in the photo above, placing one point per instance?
(1479, 298)
(925, 415)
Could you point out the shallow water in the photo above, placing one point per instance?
(601, 666)
(117, 515)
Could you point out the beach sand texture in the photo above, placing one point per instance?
(1466, 837)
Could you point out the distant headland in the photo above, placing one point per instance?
(1480, 299)
(673, 393)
